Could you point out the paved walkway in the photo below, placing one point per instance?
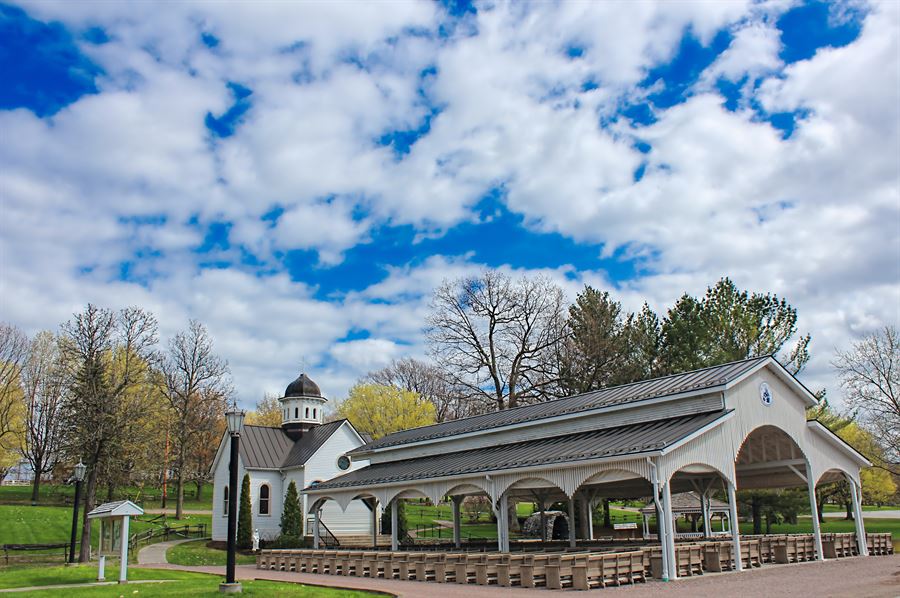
(892, 514)
(155, 554)
(873, 577)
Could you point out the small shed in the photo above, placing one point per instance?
(113, 518)
(690, 505)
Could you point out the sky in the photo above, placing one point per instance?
(299, 176)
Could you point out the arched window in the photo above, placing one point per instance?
(296, 412)
(307, 413)
(314, 413)
(225, 502)
(264, 499)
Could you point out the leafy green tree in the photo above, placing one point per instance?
(728, 324)
(292, 514)
(245, 516)
(378, 410)
(598, 332)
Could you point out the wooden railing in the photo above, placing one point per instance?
(20, 552)
(167, 533)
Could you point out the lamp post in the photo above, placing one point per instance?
(235, 420)
(80, 470)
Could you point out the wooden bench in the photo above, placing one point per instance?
(603, 570)
(835, 546)
(795, 549)
(879, 544)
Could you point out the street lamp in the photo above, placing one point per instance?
(78, 474)
(235, 420)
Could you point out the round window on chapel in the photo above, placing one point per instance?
(343, 462)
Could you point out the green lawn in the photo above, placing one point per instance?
(198, 553)
(23, 524)
(183, 584)
(839, 509)
(148, 498)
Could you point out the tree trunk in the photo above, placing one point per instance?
(179, 499)
(199, 489)
(849, 507)
(84, 551)
(694, 523)
(820, 506)
(756, 509)
(606, 520)
(35, 488)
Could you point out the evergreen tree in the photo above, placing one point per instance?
(245, 516)
(292, 514)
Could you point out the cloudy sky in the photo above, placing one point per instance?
(299, 176)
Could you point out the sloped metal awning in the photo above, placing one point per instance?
(645, 438)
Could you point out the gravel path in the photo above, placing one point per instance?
(871, 577)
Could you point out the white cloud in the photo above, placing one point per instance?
(813, 217)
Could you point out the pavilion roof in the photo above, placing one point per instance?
(688, 382)
(633, 439)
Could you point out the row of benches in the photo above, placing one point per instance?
(584, 569)
(551, 570)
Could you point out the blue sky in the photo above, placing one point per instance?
(299, 176)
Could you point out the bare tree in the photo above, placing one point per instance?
(44, 384)
(13, 353)
(495, 336)
(109, 357)
(425, 379)
(870, 375)
(196, 383)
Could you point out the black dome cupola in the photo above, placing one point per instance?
(302, 406)
(303, 386)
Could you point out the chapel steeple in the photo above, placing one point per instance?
(302, 407)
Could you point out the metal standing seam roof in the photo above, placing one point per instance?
(611, 442)
(617, 395)
(263, 447)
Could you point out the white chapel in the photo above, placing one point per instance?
(303, 450)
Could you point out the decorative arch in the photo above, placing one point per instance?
(770, 457)
(835, 474)
(402, 492)
(524, 480)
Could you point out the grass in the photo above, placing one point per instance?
(839, 509)
(182, 584)
(198, 553)
(46, 525)
(148, 498)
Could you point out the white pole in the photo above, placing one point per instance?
(374, 524)
(457, 532)
(316, 529)
(704, 502)
(660, 516)
(590, 518)
(669, 546)
(502, 524)
(572, 543)
(123, 554)
(395, 518)
(814, 511)
(856, 492)
(735, 526)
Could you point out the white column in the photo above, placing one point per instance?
(669, 544)
(646, 525)
(457, 532)
(735, 526)
(590, 518)
(856, 494)
(704, 502)
(316, 528)
(374, 523)
(572, 543)
(123, 554)
(503, 524)
(395, 520)
(814, 511)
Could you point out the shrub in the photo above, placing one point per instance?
(245, 516)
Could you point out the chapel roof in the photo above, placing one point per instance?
(262, 447)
